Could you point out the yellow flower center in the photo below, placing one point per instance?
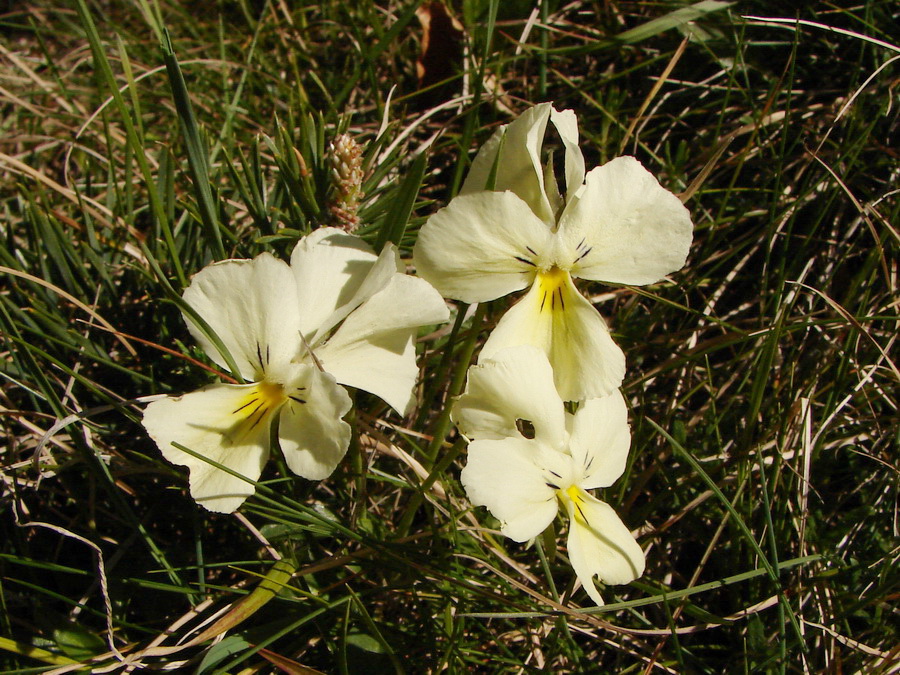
(575, 495)
(255, 410)
(553, 285)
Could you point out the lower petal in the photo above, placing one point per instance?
(556, 318)
(229, 425)
(314, 437)
(599, 543)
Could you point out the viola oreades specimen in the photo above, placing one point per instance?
(615, 224)
(336, 315)
(524, 479)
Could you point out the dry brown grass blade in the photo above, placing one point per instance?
(97, 210)
(75, 301)
(657, 86)
(847, 316)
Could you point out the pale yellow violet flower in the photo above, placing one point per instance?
(338, 314)
(528, 457)
(614, 224)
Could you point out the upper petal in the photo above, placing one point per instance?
(484, 162)
(503, 476)
(556, 318)
(599, 440)
(251, 305)
(373, 349)
(481, 246)
(566, 124)
(624, 227)
(335, 272)
(313, 435)
(600, 545)
(516, 384)
(229, 424)
(519, 164)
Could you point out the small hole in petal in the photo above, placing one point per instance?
(525, 427)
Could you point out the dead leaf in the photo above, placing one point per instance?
(441, 59)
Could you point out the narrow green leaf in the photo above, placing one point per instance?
(78, 643)
(738, 520)
(105, 75)
(197, 152)
(671, 20)
(270, 585)
(36, 653)
(402, 204)
(221, 651)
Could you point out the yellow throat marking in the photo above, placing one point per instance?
(255, 409)
(553, 286)
(574, 494)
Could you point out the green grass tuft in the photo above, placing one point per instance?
(141, 141)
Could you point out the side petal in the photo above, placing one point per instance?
(599, 439)
(503, 476)
(517, 384)
(557, 319)
(519, 165)
(380, 275)
(314, 437)
(566, 124)
(600, 545)
(374, 350)
(329, 267)
(481, 246)
(624, 227)
(251, 305)
(223, 422)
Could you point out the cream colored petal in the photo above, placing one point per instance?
(252, 306)
(566, 124)
(599, 440)
(481, 247)
(551, 187)
(383, 364)
(508, 391)
(379, 277)
(229, 424)
(624, 227)
(373, 349)
(502, 475)
(331, 268)
(313, 436)
(556, 318)
(480, 170)
(600, 545)
(519, 166)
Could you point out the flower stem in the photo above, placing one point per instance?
(416, 500)
(357, 461)
(442, 425)
(442, 372)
